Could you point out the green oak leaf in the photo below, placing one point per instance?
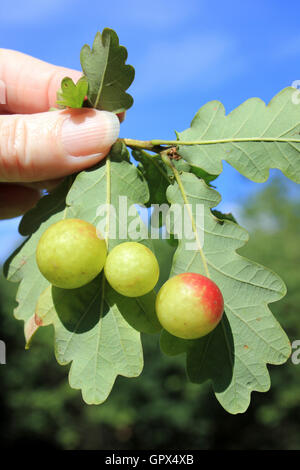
(253, 138)
(172, 346)
(156, 175)
(221, 216)
(92, 334)
(119, 151)
(72, 95)
(180, 165)
(107, 195)
(164, 250)
(201, 174)
(234, 356)
(96, 328)
(139, 312)
(106, 72)
(21, 266)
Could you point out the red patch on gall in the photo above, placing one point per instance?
(85, 228)
(38, 320)
(208, 292)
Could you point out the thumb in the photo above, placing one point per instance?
(50, 145)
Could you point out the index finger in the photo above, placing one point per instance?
(29, 85)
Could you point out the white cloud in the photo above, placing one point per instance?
(201, 60)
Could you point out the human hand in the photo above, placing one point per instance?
(38, 147)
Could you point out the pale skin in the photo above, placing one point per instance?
(33, 153)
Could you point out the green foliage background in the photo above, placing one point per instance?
(159, 409)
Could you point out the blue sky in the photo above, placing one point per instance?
(185, 53)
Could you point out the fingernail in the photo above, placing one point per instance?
(89, 132)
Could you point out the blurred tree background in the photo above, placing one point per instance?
(160, 410)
